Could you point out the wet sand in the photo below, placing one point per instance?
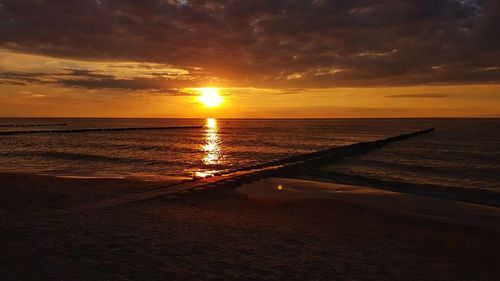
(286, 189)
(308, 230)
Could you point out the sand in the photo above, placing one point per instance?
(286, 189)
(329, 232)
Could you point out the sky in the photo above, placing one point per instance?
(269, 59)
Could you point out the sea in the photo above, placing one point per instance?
(463, 153)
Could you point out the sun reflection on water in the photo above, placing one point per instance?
(212, 143)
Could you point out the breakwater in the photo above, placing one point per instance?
(69, 131)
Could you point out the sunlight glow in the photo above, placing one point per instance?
(210, 97)
(212, 143)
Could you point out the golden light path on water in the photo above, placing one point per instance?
(212, 143)
(211, 147)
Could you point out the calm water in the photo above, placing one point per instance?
(461, 153)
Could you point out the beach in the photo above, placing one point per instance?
(253, 231)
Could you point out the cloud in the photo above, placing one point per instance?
(427, 96)
(277, 43)
(90, 80)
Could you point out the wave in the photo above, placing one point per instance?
(422, 166)
(75, 156)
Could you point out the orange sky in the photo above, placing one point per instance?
(277, 59)
(50, 99)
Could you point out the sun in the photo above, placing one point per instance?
(210, 97)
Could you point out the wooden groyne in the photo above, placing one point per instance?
(69, 131)
(234, 178)
(326, 155)
(34, 125)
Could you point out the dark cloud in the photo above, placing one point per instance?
(91, 80)
(21, 78)
(431, 96)
(318, 43)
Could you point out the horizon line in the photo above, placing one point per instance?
(98, 117)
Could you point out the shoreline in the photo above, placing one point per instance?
(152, 182)
(295, 189)
(486, 197)
(48, 192)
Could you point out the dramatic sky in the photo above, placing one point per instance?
(275, 58)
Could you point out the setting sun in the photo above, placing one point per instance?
(210, 97)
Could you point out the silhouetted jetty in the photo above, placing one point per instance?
(68, 131)
(34, 125)
(234, 178)
(326, 155)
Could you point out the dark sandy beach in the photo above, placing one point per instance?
(354, 233)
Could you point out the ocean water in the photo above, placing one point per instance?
(461, 152)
